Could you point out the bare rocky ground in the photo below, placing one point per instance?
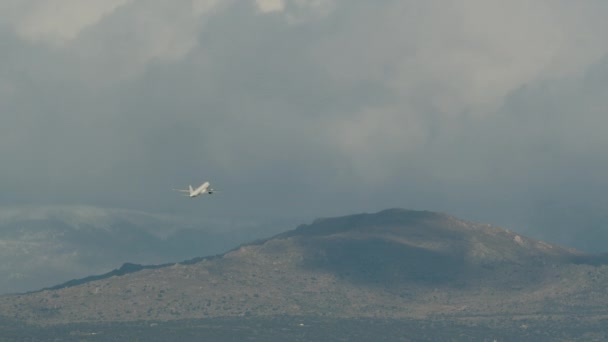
(431, 272)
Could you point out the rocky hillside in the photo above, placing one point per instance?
(393, 264)
(43, 246)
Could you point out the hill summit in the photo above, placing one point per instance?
(395, 263)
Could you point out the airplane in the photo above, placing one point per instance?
(204, 188)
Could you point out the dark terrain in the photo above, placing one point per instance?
(312, 329)
(396, 275)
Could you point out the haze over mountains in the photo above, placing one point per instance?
(44, 246)
(394, 264)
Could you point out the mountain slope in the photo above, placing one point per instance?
(41, 246)
(395, 263)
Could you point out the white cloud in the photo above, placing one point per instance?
(58, 21)
(447, 65)
(267, 6)
(326, 94)
(462, 56)
(200, 7)
(112, 39)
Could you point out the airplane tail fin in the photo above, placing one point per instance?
(190, 187)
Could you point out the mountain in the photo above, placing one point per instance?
(42, 246)
(394, 264)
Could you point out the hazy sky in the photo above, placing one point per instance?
(494, 111)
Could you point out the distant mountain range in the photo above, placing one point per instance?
(393, 264)
(43, 246)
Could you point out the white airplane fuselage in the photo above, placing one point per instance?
(201, 190)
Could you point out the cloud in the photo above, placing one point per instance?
(303, 107)
(266, 6)
(459, 57)
(56, 22)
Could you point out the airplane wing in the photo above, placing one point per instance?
(180, 190)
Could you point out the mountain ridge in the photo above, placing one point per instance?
(395, 263)
(44, 245)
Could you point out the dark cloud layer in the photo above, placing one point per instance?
(487, 110)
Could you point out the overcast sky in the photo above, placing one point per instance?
(493, 111)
